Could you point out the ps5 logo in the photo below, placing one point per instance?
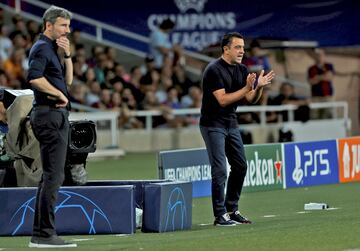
(185, 5)
(315, 162)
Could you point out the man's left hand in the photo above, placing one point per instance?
(265, 79)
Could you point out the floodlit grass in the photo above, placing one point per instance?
(285, 227)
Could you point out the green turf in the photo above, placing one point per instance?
(288, 230)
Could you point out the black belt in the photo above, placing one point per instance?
(50, 107)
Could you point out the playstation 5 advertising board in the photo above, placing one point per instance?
(311, 163)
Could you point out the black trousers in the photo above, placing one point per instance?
(51, 129)
(222, 143)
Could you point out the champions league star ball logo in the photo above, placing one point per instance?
(176, 210)
(92, 214)
(185, 5)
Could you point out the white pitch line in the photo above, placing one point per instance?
(269, 216)
(85, 239)
(205, 224)
(302, 212)
(332, 208)
(121, 235)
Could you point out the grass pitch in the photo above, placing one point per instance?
(280, 222)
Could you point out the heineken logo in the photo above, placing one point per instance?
(263, 171)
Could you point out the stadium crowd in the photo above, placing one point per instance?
(101, 81)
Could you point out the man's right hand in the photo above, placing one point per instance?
(250, 80)
(61, 100)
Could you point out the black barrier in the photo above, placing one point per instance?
(104, 207)
(169, 212)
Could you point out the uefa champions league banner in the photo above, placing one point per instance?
(265, 168)
(187, 165)
(311, 163)
(201, 23)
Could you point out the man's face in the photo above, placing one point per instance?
(59, 29)
(235, 50)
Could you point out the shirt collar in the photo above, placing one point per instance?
(48, 40)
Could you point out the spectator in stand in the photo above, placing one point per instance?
(19, 27)
(135, 76)
(129, 99)
(193, 98)
(109, 75)
(4, 80)
(101, 65)
(89, 76)
(320, 76)
(151, 102)
(266, 99)
(149, 65)
(110, 56)
(33, 30)
(19, 41)
(93, 96)
(130, 104)
(78, 92)
(287, 97)
(2, 16)
(95, 51)
(117, 84)
(172, 99)
(15, 68)
(150, 82)
(181, 81)
(6, 46)
(134, 83)
(75, 41)
(164, 84)
(120, 71)
(161, 46)
(116, 101)
(257, 60)
(125, 120)
(105, 99)
(79, 61)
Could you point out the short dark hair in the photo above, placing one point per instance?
(53, 12)
(227, 39)
(255, 44)
(167, 24)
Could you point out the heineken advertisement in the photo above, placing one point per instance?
(265, 167)
(272, 166)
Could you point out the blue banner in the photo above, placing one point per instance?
(200, 23)
(311, 163)
(187, 165)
